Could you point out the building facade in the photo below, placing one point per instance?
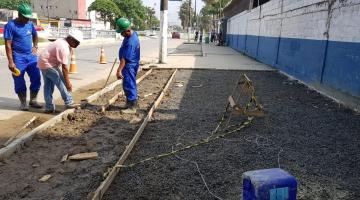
(313, 40)
(72, 9)
(69, 13)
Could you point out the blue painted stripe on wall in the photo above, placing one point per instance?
(241, 43)
(342, 66)
(301, 58)
(304, 59)
(251, 45)
(267, 51)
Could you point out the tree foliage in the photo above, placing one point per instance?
(212, 10)
(141, 17)
(107, 10)
(150, 18)
(184, 14)
(12, 4)
(133, 10)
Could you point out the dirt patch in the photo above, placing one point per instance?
(84, 131)
(10, 127)
(312, 137)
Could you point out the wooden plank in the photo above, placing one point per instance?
(97, 94)
(21, 129)
(108, 88)
(45, 178)
(100, 191)
(118, 95)
(84, 156)
(19, 142)
(232, 102)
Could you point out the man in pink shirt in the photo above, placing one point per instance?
(55, 55)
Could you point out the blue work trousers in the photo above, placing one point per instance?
(54, 77)
(26, 63)
(129, 82)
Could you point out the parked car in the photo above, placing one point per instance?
(2, 24)
(175, 35)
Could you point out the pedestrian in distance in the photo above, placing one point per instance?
(54, 56)
(212, 36)
(21, 44)
(196, 36)
(129, 56)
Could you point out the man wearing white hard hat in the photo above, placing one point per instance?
(54, 56)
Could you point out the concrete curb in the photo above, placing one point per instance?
(353, 106)
(96, 95)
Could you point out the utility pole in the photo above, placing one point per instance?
(163, 31)
(189, 25)
(196, 21)
(48, 13)
(251, 4)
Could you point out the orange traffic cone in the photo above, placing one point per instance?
(102, 56)
(73, 67)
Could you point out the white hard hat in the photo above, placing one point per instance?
(76, 34)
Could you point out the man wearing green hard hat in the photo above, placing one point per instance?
(129, 56)
(21, 44)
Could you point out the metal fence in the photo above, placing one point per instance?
(88, 33)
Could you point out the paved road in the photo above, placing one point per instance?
(90, 71)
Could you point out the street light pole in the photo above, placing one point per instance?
(196, 17)
(48, 13)
(189, 26)
(163, 31)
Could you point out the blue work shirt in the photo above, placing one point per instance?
(130, 50)
(21, 36)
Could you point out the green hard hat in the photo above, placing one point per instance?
(25, 10)
(122, 24)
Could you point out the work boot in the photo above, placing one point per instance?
(126, 106)
(52, 111)
(33, 100)
(72, 105)
(22, 98)
(131, 109)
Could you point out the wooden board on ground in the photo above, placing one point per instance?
(100, 191)
(84, 156)
(15, 145)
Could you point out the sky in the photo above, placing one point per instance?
(174, 7)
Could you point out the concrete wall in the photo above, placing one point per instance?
(317, 41)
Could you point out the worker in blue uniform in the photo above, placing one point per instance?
(21, 44)
(129, 56)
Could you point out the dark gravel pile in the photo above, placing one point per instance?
(312, 137)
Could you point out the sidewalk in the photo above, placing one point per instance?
(209, 56)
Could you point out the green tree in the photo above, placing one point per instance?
(12, 4)
(107, 9)
(150, 18)
(184, 14)
(133, 10)
(211, 12)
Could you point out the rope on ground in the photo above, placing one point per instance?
(201, 142)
